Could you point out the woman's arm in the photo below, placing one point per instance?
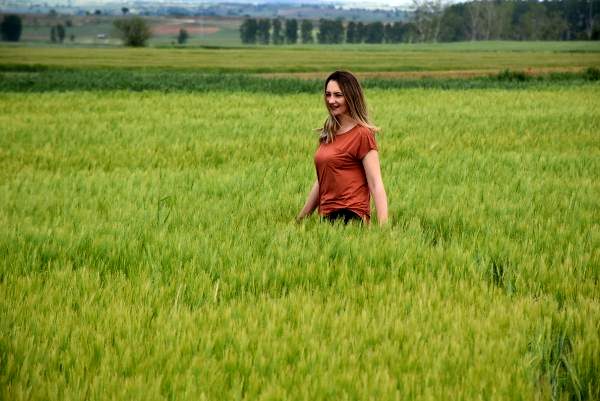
(373, 173)
(311, 203)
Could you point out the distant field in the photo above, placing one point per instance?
(148, 249)
(219, 31)
(203, 31)
(453, 57)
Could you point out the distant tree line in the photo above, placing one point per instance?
(259, 31)
(506, 20)
(432, 21)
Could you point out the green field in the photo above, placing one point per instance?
(149, 250)
(310, 59)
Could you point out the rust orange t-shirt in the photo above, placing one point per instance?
(342, 180)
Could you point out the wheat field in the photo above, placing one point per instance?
(149, 249)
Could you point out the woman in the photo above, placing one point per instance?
(346, 160)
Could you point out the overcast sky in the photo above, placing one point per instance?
(368, 3)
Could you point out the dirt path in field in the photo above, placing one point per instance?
(422, 74)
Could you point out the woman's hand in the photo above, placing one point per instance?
(311, 202)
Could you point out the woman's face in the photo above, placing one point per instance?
(335, 100)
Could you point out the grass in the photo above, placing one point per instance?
(42, 79)
(148, 249)
(302, 59)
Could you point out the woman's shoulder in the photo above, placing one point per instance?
(362, 130)
(358, 133)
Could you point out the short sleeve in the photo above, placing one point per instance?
(365, 143)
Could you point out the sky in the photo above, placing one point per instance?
(353, 3)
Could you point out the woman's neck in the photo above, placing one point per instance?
(346, 123)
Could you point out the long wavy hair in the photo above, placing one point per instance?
(355, 101)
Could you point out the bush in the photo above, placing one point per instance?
(11, 28)
(508, 75)
(134, 31)
(592, 74)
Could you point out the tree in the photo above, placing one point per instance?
(248, 31)
(11, 28)
(323, 35)
(277, 35)
(339, 31)
(575, 16)
(124, 10)
(454, 26)
(330, 31)
(351, 32)
(532, 22)
(306, 31)
(402, 32)
(183, 36)
(488, 18)
(492, 24)
(263, 31)
(60, 32)
(361, 33)
(388, 33)
(476, 19)
(556, 28)
(374, 32)
(133, 31)
(539, 23)
(291, 31)
(589, 24)
(53, 34)
(409, 32)
(427, 16)
(503, 23)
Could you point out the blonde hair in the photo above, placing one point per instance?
(355, 101)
